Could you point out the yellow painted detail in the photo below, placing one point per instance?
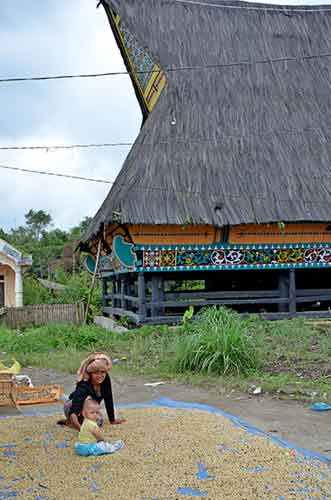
(149, 84)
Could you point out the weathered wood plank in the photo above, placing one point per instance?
(104, 292)
(130, 298)
(292, 294)
(313, 291)
(142, 296)
(38, 315)
(161, 320)
(123, 290)
(222, 294)
(177, 304)
(283, 289)
(112, 292)
(117, 311)
(155, 309)
(313, 298)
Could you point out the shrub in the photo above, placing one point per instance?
(35, 293)
(218, 342)
(54, 337)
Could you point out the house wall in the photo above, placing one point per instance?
(273, 233)
(281, 233)
(142, 234)
(9, 275)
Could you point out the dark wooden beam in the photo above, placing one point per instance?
(292, 294)
(179, 303)
(104, 292)
(142, 296)
(117, 311)
(112, 292)
(155, 309)
(123, 292)
(283, 290)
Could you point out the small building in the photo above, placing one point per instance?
(12, 265)
(229, 181)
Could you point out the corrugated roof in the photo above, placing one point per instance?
(240, 143)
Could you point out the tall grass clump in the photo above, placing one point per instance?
(218, 342)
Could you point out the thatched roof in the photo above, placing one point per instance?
(241, 143)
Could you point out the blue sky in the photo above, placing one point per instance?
(40, 37)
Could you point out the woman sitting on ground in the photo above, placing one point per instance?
(94, 382)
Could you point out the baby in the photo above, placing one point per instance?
(90, 439)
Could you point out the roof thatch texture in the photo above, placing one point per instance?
(240, 143)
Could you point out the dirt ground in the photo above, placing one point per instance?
(289, 420)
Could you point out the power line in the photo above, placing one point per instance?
(262, 8)
(167, 69)
(41, 172)
(102, 181)
(66, 146)
(181, 140)
(157, 188)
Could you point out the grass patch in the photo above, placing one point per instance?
(220, 349)
(219, 342)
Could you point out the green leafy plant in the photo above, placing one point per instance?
(35, 293)
(218, 342)
(281, 227)
(188, 314)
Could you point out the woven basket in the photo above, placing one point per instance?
(7, 390)
(39, 394)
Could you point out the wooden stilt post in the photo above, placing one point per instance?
(93, 282)
(292, 294)
(283, 288)
(161, 295)
(142, 297)
(123, 292)
(104, 292)
(112, 292)
(155, 295)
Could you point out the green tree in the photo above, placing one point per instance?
(77, 232)
(3, 234)
(37, 222)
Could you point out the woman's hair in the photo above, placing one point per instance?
(98, 361)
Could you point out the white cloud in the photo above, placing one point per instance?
(54, 37)
(61, 37)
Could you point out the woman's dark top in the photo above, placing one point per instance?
(84, 389)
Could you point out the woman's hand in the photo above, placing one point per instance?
(118, 421)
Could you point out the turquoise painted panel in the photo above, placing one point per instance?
(123, 252)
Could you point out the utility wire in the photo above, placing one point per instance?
(168, 69)
(168, 189)
(262, 8)
(183, 140)
(102, 181)
(41, 172)
(66, 146)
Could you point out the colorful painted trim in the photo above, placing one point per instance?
(141, 258)
(233, 257)
(150, 79)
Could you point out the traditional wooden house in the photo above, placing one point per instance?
(229, 181)
(12, 265)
